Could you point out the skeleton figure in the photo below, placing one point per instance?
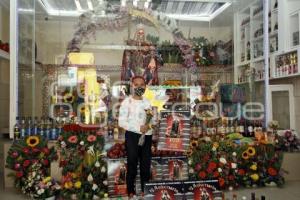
(165, 195)
(176, 170)
(175, 128)
(204, 195)
(122, 175)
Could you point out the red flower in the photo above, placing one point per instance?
(26, 163)
(216, 174)
(206, 158)
(209, 170)
(221, 182)
(202, 174)
(62, 163)
(73, 139)
(46, 151)
(91, 138)
(231, 177)
(272, 171)
(17, 166)
(241, 172)
(19, 174)
(14, 154)
(46, 162)
(198, 167)
(34, 161)
(26, 150)
(35, 150)
(212, 165)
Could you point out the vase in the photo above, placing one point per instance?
(50, 198)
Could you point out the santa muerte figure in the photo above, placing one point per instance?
(176, 170)
(165, 195)
(142, 61)
(122, 174)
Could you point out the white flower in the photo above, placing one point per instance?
(90, 178)
(33, 174)
(190, 162)
(97, 164)
(219, 170)
(63, 144)
(103, 169)
(40, 191)
(230, 188)
(81, 143)
(95, 197)
(214, 148)
(234, 153)
(233, 165)
(223, 160)
(191, 170)
(105, 182)
(95, 187)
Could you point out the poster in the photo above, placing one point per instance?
(164, 191)
(175, 168)
(201, 190)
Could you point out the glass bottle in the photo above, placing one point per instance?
(17, 129)
(23, 128)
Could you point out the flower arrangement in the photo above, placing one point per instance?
(84, 173)
(235, 165)
(288, 141)
(47, 188)
(30, 160)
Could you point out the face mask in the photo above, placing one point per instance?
(139, 91)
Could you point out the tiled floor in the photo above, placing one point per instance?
(291, 191)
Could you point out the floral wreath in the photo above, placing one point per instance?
(89, 23)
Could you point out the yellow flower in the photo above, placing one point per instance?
(68, 98)
(254, 177)
(251, 151)
(245, 155)
(46, 180)
(68, 185)
(74, 175)
(216, 145)
(32, 141)
(253, 167)
(77, 184)
(194, 143)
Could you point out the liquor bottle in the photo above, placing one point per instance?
(276, 4)
(35, 126)
(250, 129)
(213, 128)
(47, 129)
(263, 198)
(53, 134)
(41, 127)
(223, 128)
(242, 127)
(23, 128)
(232, 129)
(252, 196)
(29, 126)
(234, 197)
(59, 126)
(227, 124)
(17, 129)
(199, 128)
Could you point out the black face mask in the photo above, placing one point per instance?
(139, 91)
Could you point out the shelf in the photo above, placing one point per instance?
(4, 55)
(261, 58)
(286, 76)
(244, 63)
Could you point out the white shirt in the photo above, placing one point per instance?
(132, 114)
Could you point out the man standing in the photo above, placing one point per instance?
(132, 117)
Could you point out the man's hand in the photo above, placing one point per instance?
(144, 128)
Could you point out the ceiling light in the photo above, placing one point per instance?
(78, 5)
(123, 3)
(90, 5)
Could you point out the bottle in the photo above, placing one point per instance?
(35, 126)
(250, 129)
(242, 127)
(252, 196)
(53, 134)
(41, 127)
(59, 126)
(17, 129)
(29, 126)
(234, 197)
(23, 128)
(263, 198)
(276, 4)
(47, 129)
